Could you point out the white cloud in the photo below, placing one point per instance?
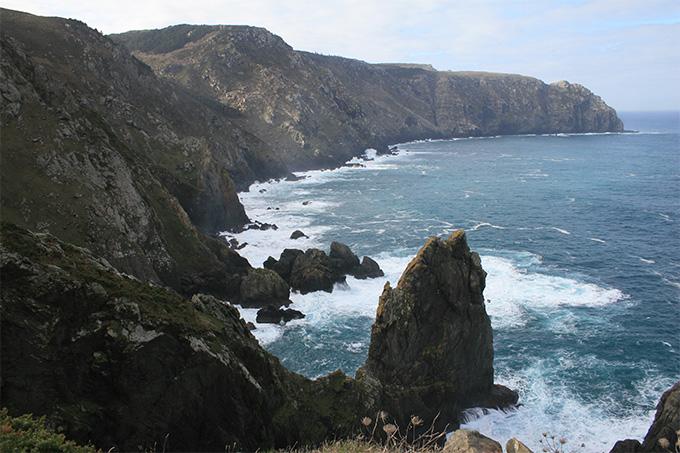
(627, 51)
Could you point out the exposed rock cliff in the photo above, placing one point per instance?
(121, 363)
(431, 350)
(101, 153)
(316, 111)
(664, 434)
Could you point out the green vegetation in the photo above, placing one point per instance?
(162, 41)
(28, 434)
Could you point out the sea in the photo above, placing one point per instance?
(579, 235)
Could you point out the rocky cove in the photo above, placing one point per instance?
(119, 155)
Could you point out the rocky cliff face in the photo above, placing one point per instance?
(299, 103)
(431, 350)
(124, 364)
(100, 152)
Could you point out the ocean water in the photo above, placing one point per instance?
(579, 234)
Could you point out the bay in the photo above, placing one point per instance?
(580, 236)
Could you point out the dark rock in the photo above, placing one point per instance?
(306, 203)
(119, 363)
(627, 446)
(465, 441)
(369, 269)
(312, 271)
(297, 234)
(284, 265)
(251, 326)
(431, 348)
(343, 260)
(264, 287)
(276, 315)
(663, 434)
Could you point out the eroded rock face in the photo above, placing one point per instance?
(431, 345)
(119, 363)
(262, 288)
(663, 434)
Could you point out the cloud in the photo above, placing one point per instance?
(624, 50)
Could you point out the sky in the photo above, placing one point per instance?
(626, 51)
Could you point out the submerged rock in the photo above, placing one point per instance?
(431, 348)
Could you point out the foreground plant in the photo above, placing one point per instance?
(551, 445)
(28, 434)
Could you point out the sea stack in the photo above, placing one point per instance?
(431, 351)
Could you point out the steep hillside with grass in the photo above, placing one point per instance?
(315, 111)
(103, 154)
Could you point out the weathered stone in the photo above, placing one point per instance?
(264, 287)
(116, 362)
(666, 423)
(275, 315)
(343, 260)
(312, 271)
(465, 441)
(369, 269)
(515, 446)
(663, 433)
(431, 344)
(284, 265)
(297, 234)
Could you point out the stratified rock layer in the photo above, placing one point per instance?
(431, 346)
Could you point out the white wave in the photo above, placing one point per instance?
(516, 294)
(484, 224)
(560, 230)
(597, 240)
(557, 410)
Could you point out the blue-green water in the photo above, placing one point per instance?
(580, 236)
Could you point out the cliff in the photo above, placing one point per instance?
(142, 165)
(318, 111)
(121, 363)
(103, 154)
(431, 350)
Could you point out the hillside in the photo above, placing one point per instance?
(315, 110)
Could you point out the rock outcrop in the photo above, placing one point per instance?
(131, 366)
(663, 434)
(431, 351)
(465, 441)
(314, 270)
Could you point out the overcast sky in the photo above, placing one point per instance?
(626, 51)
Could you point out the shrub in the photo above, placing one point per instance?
(28, 434)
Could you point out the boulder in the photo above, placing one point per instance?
(275, 315)
(312, 271)
(264, 287)
(297, 234)
(369, 269)
(515, 446)
(284, 265)
(431, 348)
(465, 441)
(343, 260)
